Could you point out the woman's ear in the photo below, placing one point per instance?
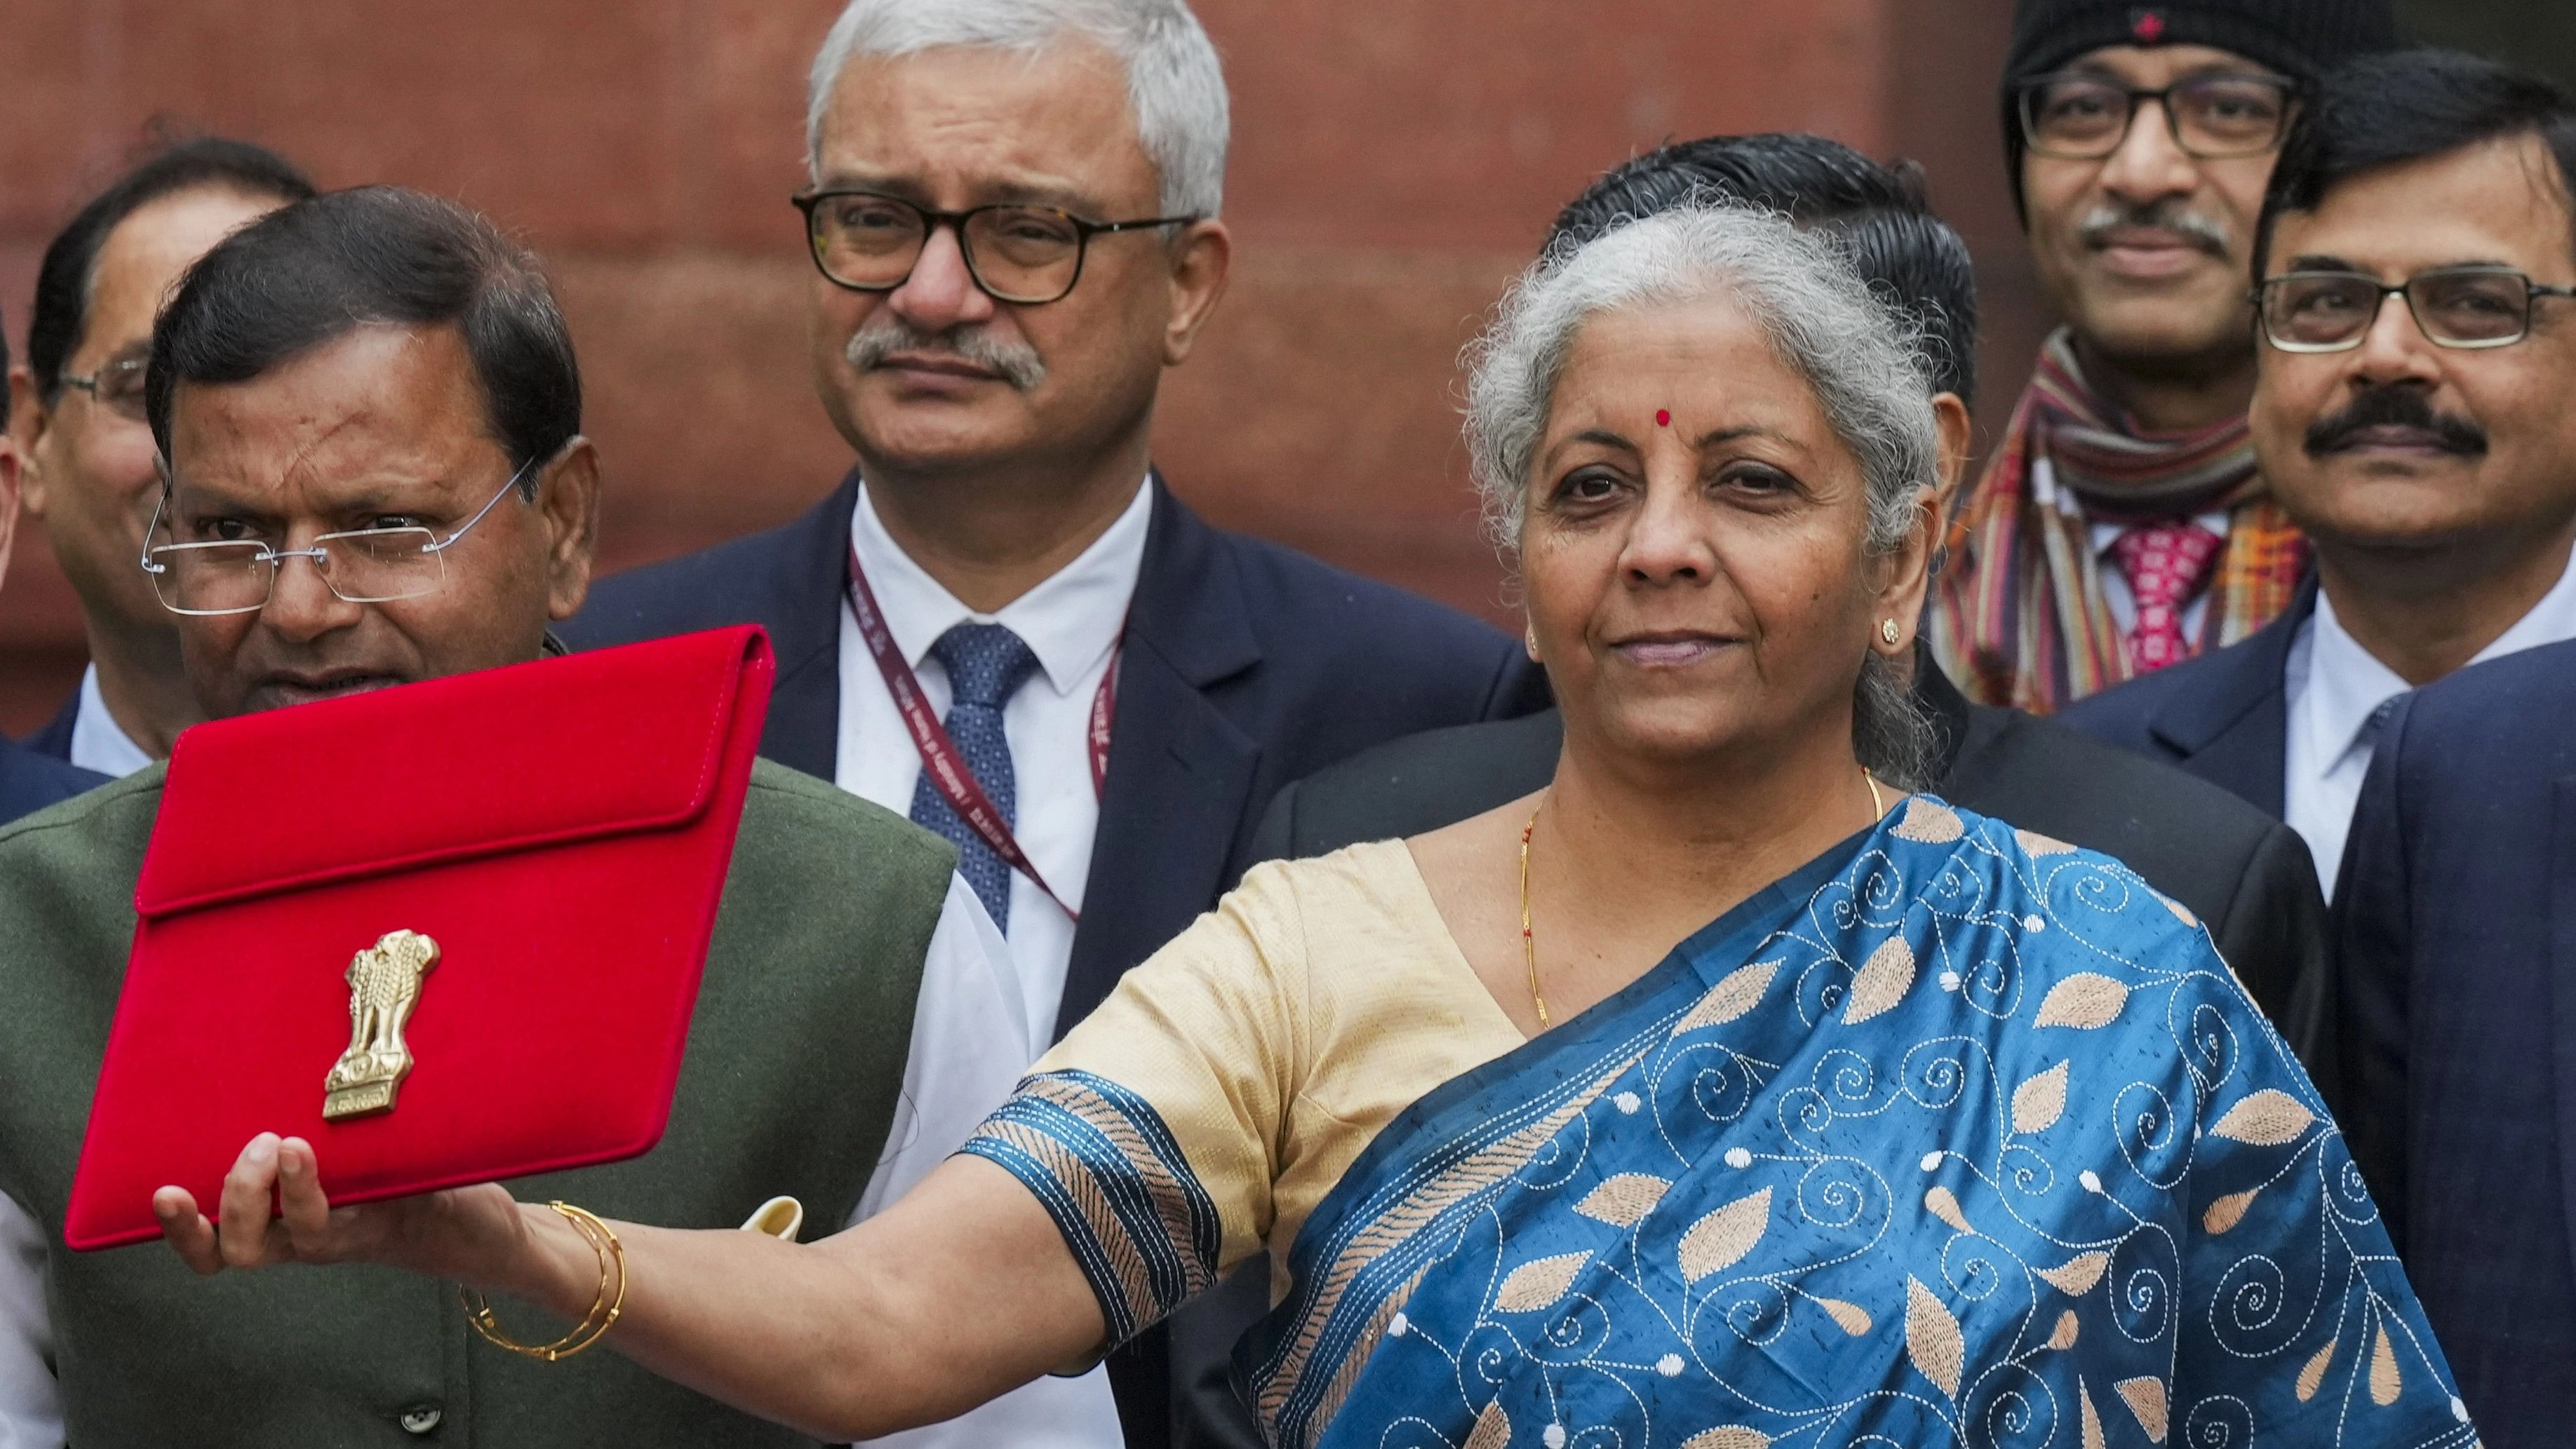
(1908, 575)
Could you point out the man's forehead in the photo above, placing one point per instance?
(2499, 201)
(986, 122)
(2158, 64)
(379, 396)
(143, 255)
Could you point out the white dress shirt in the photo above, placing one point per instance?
(2334, 689)
(951, 1081)
(98, 743)
(1071, 622)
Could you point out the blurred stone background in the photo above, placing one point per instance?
(1395, 161)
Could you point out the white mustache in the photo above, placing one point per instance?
(2208, 231)
(1017, 363)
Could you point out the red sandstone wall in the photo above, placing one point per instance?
(1395, 161)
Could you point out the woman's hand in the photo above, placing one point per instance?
(471, 1234)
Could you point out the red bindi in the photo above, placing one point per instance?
(1663, 417)
(2149, 26)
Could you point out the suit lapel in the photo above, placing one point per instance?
(804, 729)
(2233, 731)
(1180, 772)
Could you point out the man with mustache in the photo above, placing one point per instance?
(2446, 508)
(1003, 616)
(2123, 524)
(2415, 418)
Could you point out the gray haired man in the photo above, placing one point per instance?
(1014, 226)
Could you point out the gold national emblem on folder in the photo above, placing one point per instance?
(384, 985)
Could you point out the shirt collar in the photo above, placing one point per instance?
(98, 742)
(1070, 621)
(2550, 621)
(2346, 684)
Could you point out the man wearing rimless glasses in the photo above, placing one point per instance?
(369, 414)
(2415, 412)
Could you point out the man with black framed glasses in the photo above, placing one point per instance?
(2419, 384)
(1003, 623)
(2415, 415)
(2122, 525)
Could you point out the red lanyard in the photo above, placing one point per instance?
(941, 763)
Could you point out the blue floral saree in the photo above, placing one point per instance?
(1959, 1135)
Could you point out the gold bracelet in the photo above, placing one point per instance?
(604, 1308)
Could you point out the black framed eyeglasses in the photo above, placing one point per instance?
(1025, 255)
(118, 387)
(2458, 307)
(2077, 115)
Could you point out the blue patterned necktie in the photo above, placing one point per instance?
(986, 665)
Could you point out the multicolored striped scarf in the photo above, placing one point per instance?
(2018, 616)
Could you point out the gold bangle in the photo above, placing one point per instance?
(604, 1308)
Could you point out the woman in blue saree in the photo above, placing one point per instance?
(1941, 1132)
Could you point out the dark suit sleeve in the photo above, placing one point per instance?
(2374, 952)
(1208, 1413)
(1275, 838)
(2276, 938)
(1519, 687)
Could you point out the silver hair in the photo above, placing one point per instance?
(1175, 83)
(1864, 360)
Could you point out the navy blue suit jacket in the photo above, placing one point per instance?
(2456, 1012)
(2224, 716)
(54, 741)
(1246, 666)
(30, 781)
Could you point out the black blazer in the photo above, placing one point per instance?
(2247, 875)
(2224, 716)
(2456, 1011)
(1246, 665)
(30, 781)
(54, 741)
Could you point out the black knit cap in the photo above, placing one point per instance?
(2301, 39)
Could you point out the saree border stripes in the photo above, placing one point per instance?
(1113, 1178)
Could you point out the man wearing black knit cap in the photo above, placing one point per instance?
(2122, 525)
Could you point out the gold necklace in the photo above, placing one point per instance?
(1529, 943)
(1529, 946)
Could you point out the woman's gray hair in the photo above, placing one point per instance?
(1863, 358)
(1175, 83)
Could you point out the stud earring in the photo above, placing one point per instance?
(1889, 632)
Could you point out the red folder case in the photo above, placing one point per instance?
(560, 830)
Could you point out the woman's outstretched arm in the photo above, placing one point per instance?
(959, 1292)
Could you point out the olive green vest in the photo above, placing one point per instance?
(794, 1064)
